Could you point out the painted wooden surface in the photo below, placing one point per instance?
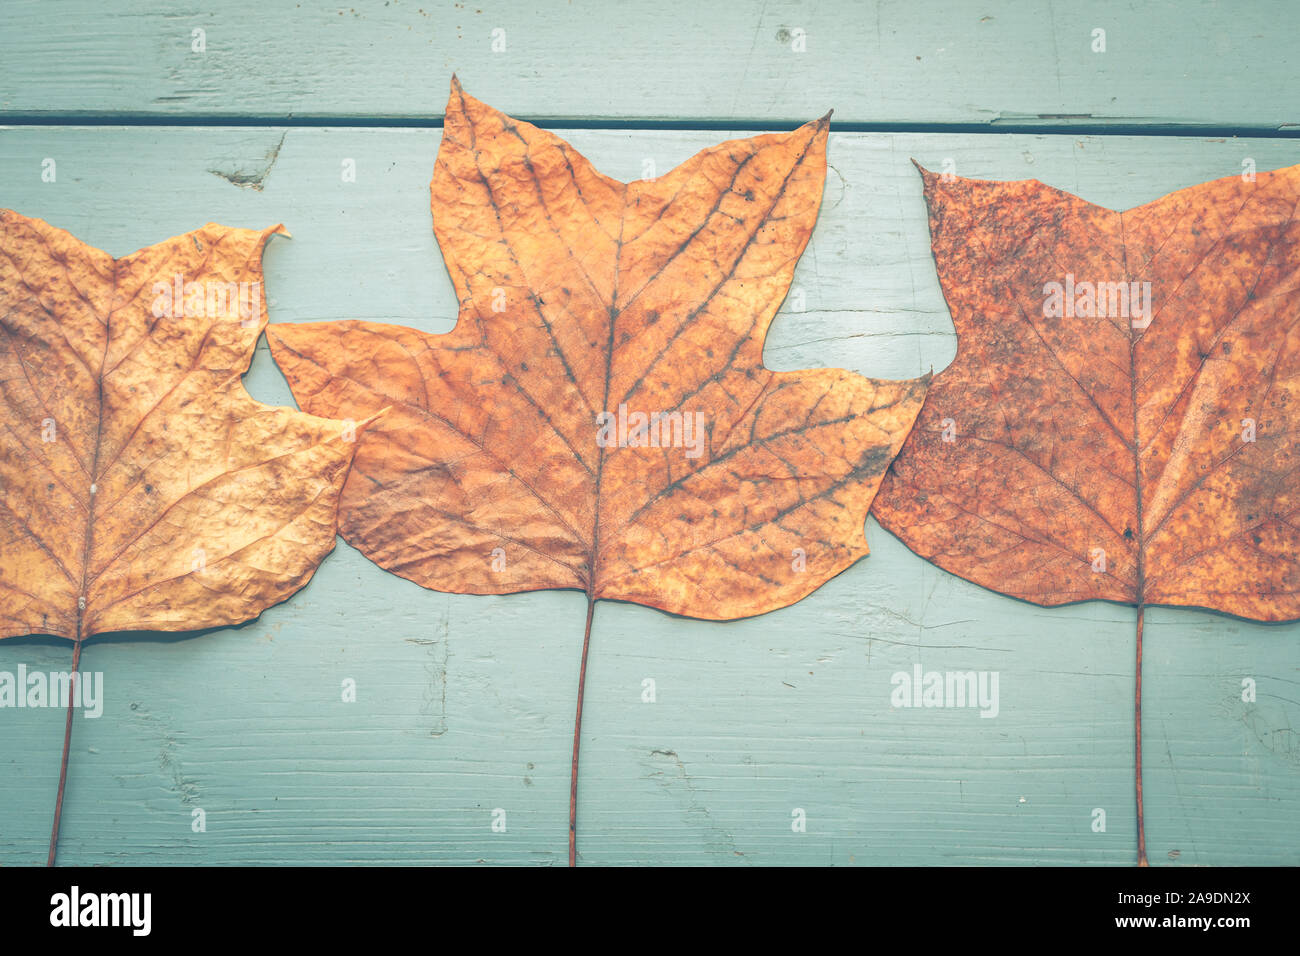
(1177, 62)
(465, 704)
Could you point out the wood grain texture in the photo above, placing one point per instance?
(465, 703)
(909, 61)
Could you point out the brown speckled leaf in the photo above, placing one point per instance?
(1075, 433)
(140, 486)
(1120, 421)
(582, 295)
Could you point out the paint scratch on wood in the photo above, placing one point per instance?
(255, 178)
(695, 812)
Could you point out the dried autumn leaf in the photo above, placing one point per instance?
(583, 300)
(1120, 421)
(140, 486)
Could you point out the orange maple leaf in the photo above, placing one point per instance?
(140, 486)
(600, 417)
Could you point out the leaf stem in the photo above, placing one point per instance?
(1137, 740)
(577, 732)
(67, 743)
(577, 737)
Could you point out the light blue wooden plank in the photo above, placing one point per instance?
(465, 704)
(909, 61)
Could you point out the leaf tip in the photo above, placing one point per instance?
(929, 179)
(363, 425)
(359, 428)
(457, 100)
